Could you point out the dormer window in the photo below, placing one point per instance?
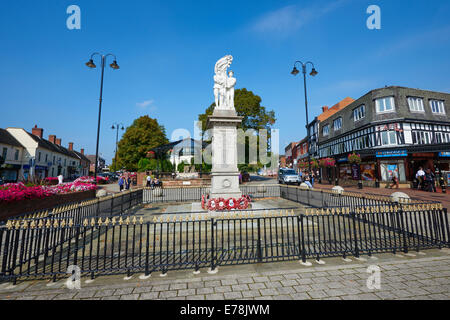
(386, 104)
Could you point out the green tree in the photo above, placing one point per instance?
(247, 105)
(144, 134)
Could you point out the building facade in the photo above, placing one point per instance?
(394, 129)
(43, 158)
(11, 154)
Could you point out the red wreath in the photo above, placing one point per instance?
(246, 196)
(212, 204)
(242, 203)
(221, 204)
(231, 206)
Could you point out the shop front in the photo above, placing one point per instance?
(9, 172)
(390, 163)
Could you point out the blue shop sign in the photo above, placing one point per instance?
(391, 154)
(40, 168)
(445, 154)
(342, 159)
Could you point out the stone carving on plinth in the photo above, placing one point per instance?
(223, 124)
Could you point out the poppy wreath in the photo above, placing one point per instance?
(221, 204)
(242, 203)
(246, 196)
(212, 204)
(231, 203)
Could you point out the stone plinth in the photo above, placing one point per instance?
(224, 173)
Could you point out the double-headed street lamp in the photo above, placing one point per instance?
(117, 126)
(313, 73)
(91, 64)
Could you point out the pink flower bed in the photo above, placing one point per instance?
(11, 192)
(90, 180)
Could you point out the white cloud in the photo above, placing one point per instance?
(144, 104)
(291, 18)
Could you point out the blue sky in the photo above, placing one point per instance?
(167, 51)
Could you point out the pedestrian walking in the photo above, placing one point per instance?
(121, 182)
(394, 180)
(149, 180)
(128, 182)
(420, 175)
(429, 181)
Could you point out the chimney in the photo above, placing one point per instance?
(82, 151)
(324, 108)
(37, 131)
(70, 146)
(52, 138)
(58, 141)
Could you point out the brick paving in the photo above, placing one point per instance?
(423, 276)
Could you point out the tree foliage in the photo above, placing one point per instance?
(247, 105)
(144, 134)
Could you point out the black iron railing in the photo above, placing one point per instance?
(128, 244)
(329, 198)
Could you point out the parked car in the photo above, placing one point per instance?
(288, 176)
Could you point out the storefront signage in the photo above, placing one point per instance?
(389, 127)
(342, 159)
(445, 154)
(355, 172)
(40, 168)
(391, 154)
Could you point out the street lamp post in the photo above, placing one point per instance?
(313, 73)
(114, 66)
(117, 126)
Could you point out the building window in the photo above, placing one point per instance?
(326, 130)
(437, 106)
(4, 153)
(385, 104)
(39, 157)
(388, 138)
(53, 161)
(359, 113)
(337, 124)
(16, 155)
(46, 158)
(415, 104)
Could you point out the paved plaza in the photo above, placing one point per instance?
(423, 275)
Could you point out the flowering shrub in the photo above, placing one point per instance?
(327, 162)
(11, 192)
(90, 180)
(302, 164)
(354, 158)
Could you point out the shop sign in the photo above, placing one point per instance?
(355, 172)
(342, 159)
(445, 154)
(40, 168)
(389, 127)
(391, 154)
